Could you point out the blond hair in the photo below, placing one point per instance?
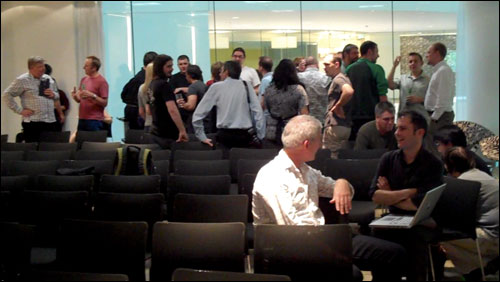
(149, 78)
(300, 129)
(32, 61)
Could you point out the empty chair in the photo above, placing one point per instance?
(100, 146)
(202, 155)
(129, 207)
(50, 146)
(11, 190)
(184, 274)
(202, 168)
(190, 146)
(360, 174)
(236, 154)
(19, 147)
(96, 155)
(215, 246)
(8, 156)
(55, 136)
(90, 136)
(162, 168)
(40, 275)
(313, 253)
(161, 155)
(361, 154)
(247, 189)
(319, 161)
(48, 155)
(216, 208)
(33, 169)
(65, 183)
(142, 184)
(248, 167)
(5, 137)
(103, 247)
(4, 166)
(208, 185)
(101, 167)
(137, 136)
(15, 183)
(16, 241)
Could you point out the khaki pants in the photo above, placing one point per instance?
(333, 138)
(463, 253)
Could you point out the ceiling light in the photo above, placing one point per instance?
(282, 11)
(235, 18)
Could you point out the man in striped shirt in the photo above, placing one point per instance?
(37, 92)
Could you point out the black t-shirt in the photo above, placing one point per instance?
(425, 173)
(129, 92)
(179, 80)
(163, 125)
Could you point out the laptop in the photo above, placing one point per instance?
(407, 221)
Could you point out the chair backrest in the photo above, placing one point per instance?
(90, 136)
(137, 136)
(50, 146)
(202, 155)
(140, 184)
(5, 137)
(33, 168)
(19, 147)
(215, 208)
(207, 185)
(319, 161)
(59, 183)
(197, 146)
(361, 154)
(55, 136)
(249, 167)
(215, 246)
(129, 207)
(100, 146)
(96, 155)
(15, 183)
(47, 275)
(103, 247)
(8, 156)
(236, 154)
(304, 252)
(150, 146)
(247, 189)
(162, 168)
(161, 155)
(195, 167)
(457, 207)
(48, 156)
(16, 241)
(359, 173)
(184, 274)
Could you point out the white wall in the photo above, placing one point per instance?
(45, 29)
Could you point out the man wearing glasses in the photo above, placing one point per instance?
(379, 133)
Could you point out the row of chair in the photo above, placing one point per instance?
(120, 247)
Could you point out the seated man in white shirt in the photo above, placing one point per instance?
(287, 190)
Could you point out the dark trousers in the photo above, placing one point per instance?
(356, 125)
(230, 138)
(386, 260)
(32, 130)
(133, 118)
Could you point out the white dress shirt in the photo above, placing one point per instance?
(286, 195)
(439, 96)
(250, 75)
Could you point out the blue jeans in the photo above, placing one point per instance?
(90, 125)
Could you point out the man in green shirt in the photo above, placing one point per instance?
(378, 133)
(370, 86)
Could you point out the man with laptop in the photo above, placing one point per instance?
(403, 178)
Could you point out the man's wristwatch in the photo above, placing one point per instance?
(95, 96)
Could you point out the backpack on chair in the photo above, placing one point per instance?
(134, 160)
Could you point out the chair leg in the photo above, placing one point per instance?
(480, 260)
(432, 263)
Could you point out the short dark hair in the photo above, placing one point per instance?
(149, 57)
(96, 63)
(266, 63)
(459, 159)
(347, 49)
(416, 54)
(382, 107)
(451, 134)
(215, 70)
(183, 57)
(418, 120)
(233, 69)
(158, 64)
(367, 45)
(241, 50)
(48, 69)
(337, 59)
(195, 72)
(441, 48)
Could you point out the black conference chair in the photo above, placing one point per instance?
(247, 189)
(162, 168)
(48, 275)
(360, 174)
(33, 169)
(313, 253)
(319, 161)
(8, 156)
(248, 167)
(361, 154)
(90, 136)
(15, 183)
(19, 147)
(96, 155)
(103, 247)
(5, 137)
(236, 154)
(101, 167)
(135, 184)
(202, 155)
(215, 208)
(48, 156)
(215, 246)
(161, 155)
(100, 146)
(52, 146)
(195, 167)
(60, 183)
(207, 185)
(197, 146)
(16, 241)
(136, 136)
(184, 274)
(55, 136)
(456, 214)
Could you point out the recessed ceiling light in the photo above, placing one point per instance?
(235, 18)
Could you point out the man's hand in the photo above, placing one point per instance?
(339, 111)
(27, 112)
(178, 90)
(183, 137)
(208, 142)
(414, 99)
(84, 94)
(342, 196)
(383, 184)
(181, 103)
(49, 93)
(396, 61)
(62, 118)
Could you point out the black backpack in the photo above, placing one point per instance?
(134, 160)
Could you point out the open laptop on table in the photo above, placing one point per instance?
(407, 221)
